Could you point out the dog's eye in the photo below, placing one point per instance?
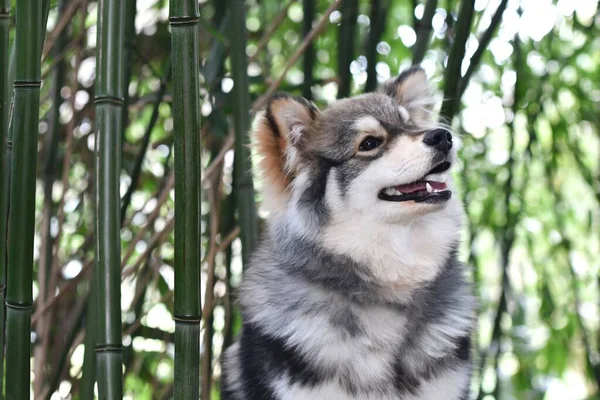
(369, 143)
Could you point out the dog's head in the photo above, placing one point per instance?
(381, 154)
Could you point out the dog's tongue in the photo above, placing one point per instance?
(418, 186)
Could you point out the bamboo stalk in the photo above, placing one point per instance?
(22, 196)
(457, 52)
(423, 29)
(109, 102)
(379, 10)
(308, 62)
(247, 215)
(4, 114)
(183, 17)
(346, 37)
(484, 41)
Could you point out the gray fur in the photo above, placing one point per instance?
(319, 324)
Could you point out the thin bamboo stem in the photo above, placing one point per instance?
(109, 103)
(423, 29)
(4, 115)
(457, 52)
(379, 11)
(346, 43)
(183, 17)
(484, 41)
(22, 196)
(270, 31)
(241, 120)
(308, 61)
(66, 15)
(137, 166)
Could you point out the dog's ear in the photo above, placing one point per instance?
(280, 137)
(412, 92)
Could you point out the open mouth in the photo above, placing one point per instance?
(431, 188)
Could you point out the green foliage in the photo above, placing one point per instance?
(526, 111)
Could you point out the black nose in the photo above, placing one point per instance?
(440, 139)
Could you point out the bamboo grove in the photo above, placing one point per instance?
(128, 205)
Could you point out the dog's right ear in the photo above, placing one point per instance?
(280, 136)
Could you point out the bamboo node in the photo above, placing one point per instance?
(183, 20)
(108, 100)
(28, 84)
(109, 348)
(18, 306)
(187, 319)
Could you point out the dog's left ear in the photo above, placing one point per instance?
(281, 136)
(412, 92)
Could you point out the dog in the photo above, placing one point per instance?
(356, 291)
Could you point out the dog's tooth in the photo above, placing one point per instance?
(390, 191)
(429, 188)
(398, 193)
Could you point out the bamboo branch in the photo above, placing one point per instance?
(66, 16)
(261, 101)
(270, 31)
(137, 166)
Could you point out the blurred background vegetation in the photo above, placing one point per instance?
(521, 80)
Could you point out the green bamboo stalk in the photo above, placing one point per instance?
(379, 11)
(247, 216)
(109, 103)
(308, 61)
(4, 106)
(183, 17)
(423, 29)
(346, 37)
(457, 52)
(19, 299)
(484, 41)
